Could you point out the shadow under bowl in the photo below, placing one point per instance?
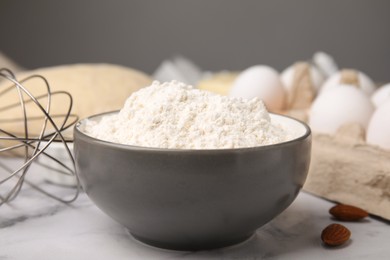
(193, 199)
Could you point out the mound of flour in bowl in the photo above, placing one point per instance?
(177, 116)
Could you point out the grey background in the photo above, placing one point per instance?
(216, 34)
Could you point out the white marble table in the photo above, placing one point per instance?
(37, 227)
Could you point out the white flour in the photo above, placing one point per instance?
(174, 115)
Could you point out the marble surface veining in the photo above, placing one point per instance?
(36, 227)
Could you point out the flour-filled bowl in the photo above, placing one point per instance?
(193, 199)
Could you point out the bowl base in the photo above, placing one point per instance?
(182, 246)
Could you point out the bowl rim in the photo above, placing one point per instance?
(90, 139)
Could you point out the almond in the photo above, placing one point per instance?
(335, 235)
(348, 212)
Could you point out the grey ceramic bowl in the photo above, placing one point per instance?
(193, 199)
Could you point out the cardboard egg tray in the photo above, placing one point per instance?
(345, 169)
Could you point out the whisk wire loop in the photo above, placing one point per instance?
(27, 145)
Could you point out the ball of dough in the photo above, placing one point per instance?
(95, 88)
(219, 83)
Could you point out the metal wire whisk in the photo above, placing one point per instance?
(23, 143)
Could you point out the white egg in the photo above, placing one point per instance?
(365, 83)
(287, 77)
(326, 64)
(378, 132)
(336, 107)
(381, 95)
(262, 82)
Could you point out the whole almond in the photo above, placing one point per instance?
(335, 235)
(348, 212)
